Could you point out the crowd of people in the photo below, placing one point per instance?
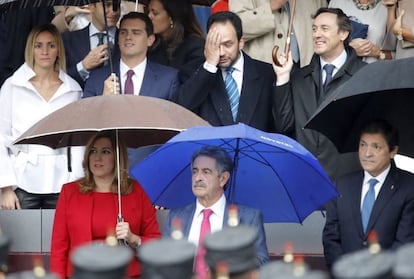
(226, 75)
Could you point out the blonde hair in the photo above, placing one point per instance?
(87, 183)
(60, 62)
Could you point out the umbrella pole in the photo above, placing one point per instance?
(107, 37)
(233, 176)
(120, 218)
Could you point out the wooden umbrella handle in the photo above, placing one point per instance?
(287, 44)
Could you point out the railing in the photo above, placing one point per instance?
(30, 233)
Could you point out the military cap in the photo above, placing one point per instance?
(404, 266)
(167, 259)
(234, 246)
(100, 261)
(31, 275)
(364, 264)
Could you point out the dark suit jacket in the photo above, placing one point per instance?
(187, 57)
(77, 46)
(392, 216)
(296, 101)
(159, 81)
(205, 94)
(248, 216)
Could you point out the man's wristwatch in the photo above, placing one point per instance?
(382, 55)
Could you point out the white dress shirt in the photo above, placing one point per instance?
(34, 168)
(216, 219)
(137, 78)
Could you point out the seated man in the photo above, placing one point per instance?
(133, 71)
(380, 198)
(211, 169)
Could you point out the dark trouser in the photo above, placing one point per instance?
(36, 201)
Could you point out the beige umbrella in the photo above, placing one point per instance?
(137, 120)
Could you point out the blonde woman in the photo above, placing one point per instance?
(31, 175)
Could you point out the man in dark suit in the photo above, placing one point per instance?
(84, 49)
(211, 170)
(391, 215)
(298, 94)
(205, 91)
(136, 34)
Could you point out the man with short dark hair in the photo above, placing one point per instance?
(380, 198)
(230, 87)
(133, 72)
(298, 94)
(211, 169)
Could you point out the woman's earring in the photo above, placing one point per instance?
(171, 24)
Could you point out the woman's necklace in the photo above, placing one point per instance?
(367, 6)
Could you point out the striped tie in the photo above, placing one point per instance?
(232, 92)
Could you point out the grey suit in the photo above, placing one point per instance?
(392, 216)
(247, 216)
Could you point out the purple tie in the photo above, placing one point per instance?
(200, 264)
(129, 85)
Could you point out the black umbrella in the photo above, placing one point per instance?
(21, 4)
(383, 89)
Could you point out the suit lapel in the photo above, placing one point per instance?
(187, 218)
(150, 77)
(251, 90)
(355, 188)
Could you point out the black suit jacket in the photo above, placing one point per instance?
(187, 57)
(392, 216)
(296, 101)
(205, 94)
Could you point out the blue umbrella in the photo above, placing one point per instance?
(272, 172)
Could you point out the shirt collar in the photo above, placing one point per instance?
(93, 30)
(218, 207)
(337, 62)
(381, 177)
(238, 65)
(123, 68)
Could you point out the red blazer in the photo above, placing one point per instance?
(72, 224)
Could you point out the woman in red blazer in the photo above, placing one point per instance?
(87, 209)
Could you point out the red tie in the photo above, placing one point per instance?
(200, 265)
(129, 85)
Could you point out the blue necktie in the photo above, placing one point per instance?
(368, 203)
(232, 92)
(329, 68)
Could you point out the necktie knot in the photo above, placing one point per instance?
(207, 213)
(130, 73)
(329, 68)
(230, 70)
(101, 37)
(372, 182)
